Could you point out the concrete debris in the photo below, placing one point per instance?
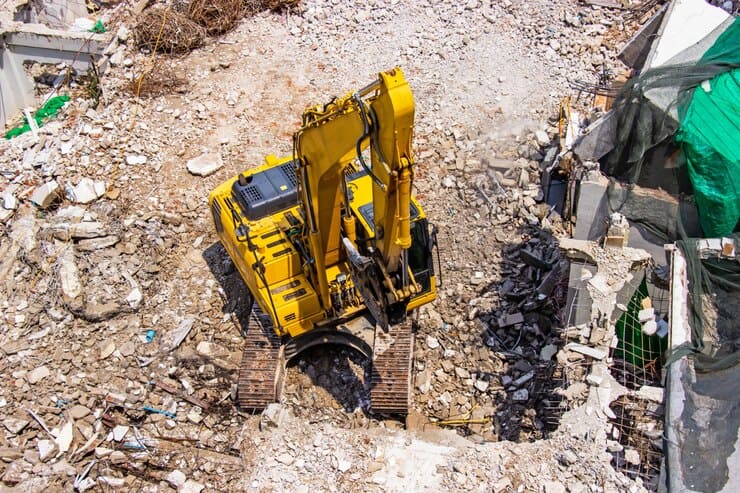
(205, 164)
(107, 349)
(46, 449)
(646, 314)
(134, 298)
(38, 374)
(554, 487)
(632, 456)
(78, 411)
(64, 437)
(69, 278)
(191, 486)
(520, 395)
(83, 230)
(650, 327)
(211, 350)
(272, 417)
(86, 191)
(182, 331)
(586, 350)
(508, 320)
(654, 394)
(45, 195)
(176, 478)
(15, 425)
(8, 197)
(111, 482)
(119, 432)
(547, 352)
(134, 160)
(84, 285)
(432, 342)
(93, 244)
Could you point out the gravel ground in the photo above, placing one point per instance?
(83, 283)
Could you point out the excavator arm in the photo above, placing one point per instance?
(379, 116)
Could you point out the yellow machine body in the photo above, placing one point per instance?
(290, 223)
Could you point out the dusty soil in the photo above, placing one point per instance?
(487, 78)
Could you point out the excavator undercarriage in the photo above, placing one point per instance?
(265, 356)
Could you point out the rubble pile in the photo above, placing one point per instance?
(285, 455)
(120, 336)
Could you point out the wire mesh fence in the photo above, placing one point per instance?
(636, 352)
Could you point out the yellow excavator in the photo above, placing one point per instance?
(332, 245)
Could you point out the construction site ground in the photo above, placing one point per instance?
(120, 327)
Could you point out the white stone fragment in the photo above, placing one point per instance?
(135, 159)
(37, 374)
(134, 298)
(47, 448)
(432, 342)
(191, 486)
(119, 432)
(176, 478)
(205, 164)
(45, 195)
(86, 191)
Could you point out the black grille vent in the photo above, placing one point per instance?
(289, 171)
(289, 317)
(252, 193)
(216, 211)
(267, 191)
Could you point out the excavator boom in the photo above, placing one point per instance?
(380, 116)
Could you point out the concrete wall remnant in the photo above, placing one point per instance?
(686, 23)
(701, 423)
(57, 14)
(16, 90)
(38, 43)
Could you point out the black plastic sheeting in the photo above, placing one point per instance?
(704, 410)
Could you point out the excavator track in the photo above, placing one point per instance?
(263, 364)
(390, 391)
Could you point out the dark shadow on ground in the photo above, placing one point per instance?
(237, 298)
(325, 366)
(330, 367)
(526, 319)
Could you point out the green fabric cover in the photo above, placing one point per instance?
(634, 347)
(709, 137)
(51, 108)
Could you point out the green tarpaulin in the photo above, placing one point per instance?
(709, 136)
(51, 108)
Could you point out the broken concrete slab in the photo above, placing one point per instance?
(509, 319)
(86, 191)
(15, 425)
(98, 312)
(205, 164)
(586, 350)
(45, 195)
(69, 278)
(93, 244)
(83, 230)
(534, 260)
(686, 23)
(181, 333)
(654, 394)
(38, 374)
